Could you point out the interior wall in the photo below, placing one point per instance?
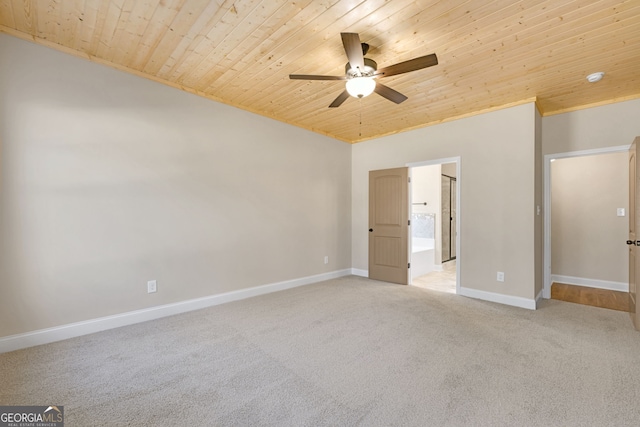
(110, 180)
(539, 207)
(496, 190)
(609, 125)
(587, 236)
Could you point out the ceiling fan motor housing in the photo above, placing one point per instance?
(370, 67)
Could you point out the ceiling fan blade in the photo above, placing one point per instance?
(410, 65)
(353, 49)
(390, 94)
(340, 99)
(312, 77)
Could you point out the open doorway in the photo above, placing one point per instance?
(433, 231)
(586, 208)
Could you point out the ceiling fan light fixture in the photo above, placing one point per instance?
(359, 87)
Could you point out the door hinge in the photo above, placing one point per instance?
(409, 178)
(409, 265)
(409, 222)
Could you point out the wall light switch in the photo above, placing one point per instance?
(326, 259)
(500, 276)
(620, 211)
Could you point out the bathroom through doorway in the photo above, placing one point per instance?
(433, 230)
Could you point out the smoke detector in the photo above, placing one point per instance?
(595, 77)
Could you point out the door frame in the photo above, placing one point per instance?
(546, 202)
(457, 161)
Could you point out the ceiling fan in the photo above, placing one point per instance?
(361, 73)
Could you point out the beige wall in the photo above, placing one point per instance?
(497, 192)
(593, 128)
(539, 206)
(110, 180)
(587, 237)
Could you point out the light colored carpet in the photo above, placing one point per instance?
(346, 352)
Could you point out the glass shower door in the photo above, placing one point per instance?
(448, 246)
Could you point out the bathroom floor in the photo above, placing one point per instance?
(442, 281)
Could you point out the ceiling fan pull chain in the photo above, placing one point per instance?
(360, 106)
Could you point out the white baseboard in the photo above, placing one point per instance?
(58, 333)
(538, 298)
(499, 298)
(358, 272)
(591, 283)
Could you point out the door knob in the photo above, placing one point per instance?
(371, 230)
(633, 242)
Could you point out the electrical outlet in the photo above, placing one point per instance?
(500, 277)
(326, 259)
(152, 286)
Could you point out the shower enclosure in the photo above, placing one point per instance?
(448, 240)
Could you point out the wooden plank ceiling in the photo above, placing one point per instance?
(492, 53)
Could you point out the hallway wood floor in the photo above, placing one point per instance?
(604, 298)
